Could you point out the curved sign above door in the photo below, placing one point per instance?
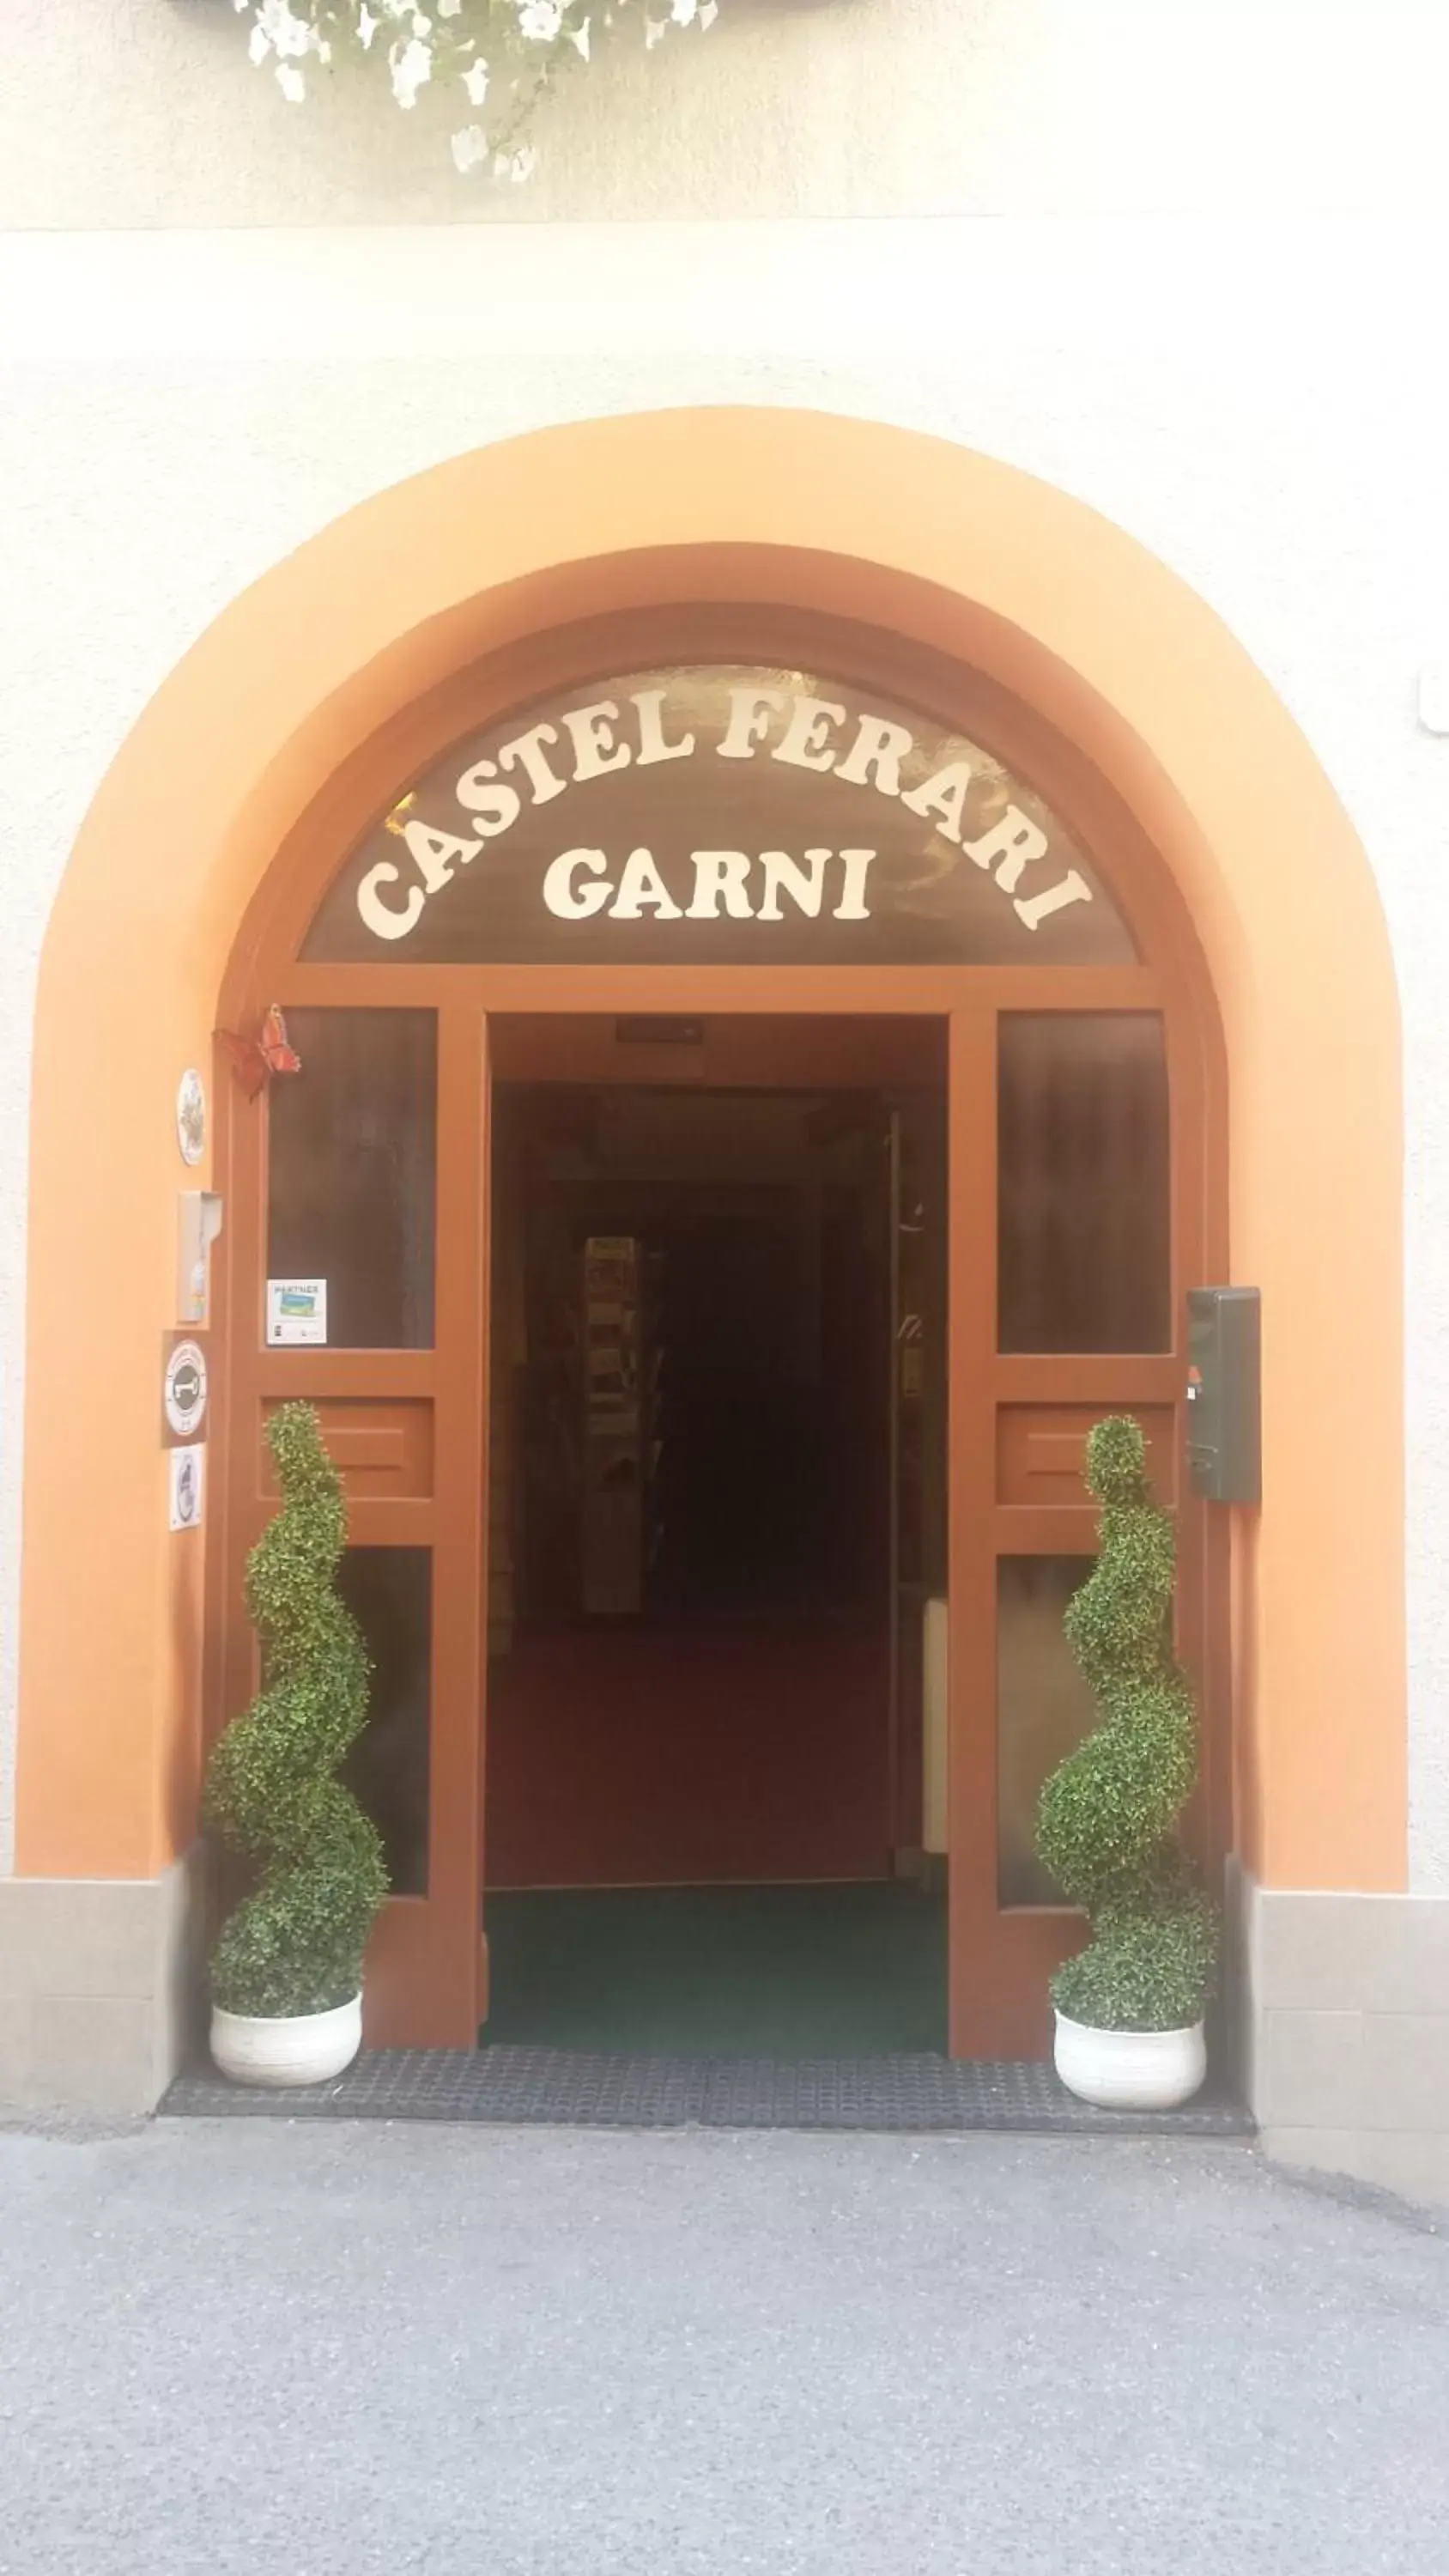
(727, 815)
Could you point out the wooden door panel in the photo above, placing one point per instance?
(423, 1987)
(321, 1375)
(1040, 1452)
(1019, 1423)
(410, 1471)
(382, 1449)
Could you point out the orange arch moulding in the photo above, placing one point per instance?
(961, 553)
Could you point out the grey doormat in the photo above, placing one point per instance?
(569, 2088)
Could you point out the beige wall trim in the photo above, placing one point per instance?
(1341, 2028)
(98, 1980)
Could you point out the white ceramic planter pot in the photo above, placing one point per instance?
(1130, 2070)
(306, 2049)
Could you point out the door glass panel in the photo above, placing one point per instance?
(1084, 1227)
(1043, 1708)
(352, 1157)
(389, 1591)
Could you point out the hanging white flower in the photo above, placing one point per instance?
(285, 32)
(438, 40)
(470, 146)
(411, 67)
(540, 19)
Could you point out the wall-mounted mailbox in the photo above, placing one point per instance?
(1224, 1436)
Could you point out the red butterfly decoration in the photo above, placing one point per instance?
(255, 1060)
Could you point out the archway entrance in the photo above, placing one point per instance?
(686, 912)
(289, 725)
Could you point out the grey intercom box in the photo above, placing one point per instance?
(1224, 1429)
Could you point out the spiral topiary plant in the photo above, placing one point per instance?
(1107, 1821)
(294, 1945)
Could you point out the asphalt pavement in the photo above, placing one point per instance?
(327, 2350)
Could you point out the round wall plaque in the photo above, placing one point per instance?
(185, 1388)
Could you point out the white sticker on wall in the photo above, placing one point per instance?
(187, 1468)
(191, 1116)
(296, 1310)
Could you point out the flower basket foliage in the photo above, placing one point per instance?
(294, 1945)
(1107, 1824)
(494, 60)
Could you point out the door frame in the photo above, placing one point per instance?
(427, 1969)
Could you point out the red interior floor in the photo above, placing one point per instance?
(635, 1755)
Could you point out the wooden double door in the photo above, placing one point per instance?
(1075, 1209)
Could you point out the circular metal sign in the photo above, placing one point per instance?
(185, 1388)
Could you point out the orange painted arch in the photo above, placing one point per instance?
(957, 552)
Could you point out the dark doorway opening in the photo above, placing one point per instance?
(717, 1511)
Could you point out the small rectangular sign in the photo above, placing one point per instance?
(186, 1470)
(296, 1310)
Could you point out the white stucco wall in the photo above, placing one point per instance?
(134, 113)
(1258, 395)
